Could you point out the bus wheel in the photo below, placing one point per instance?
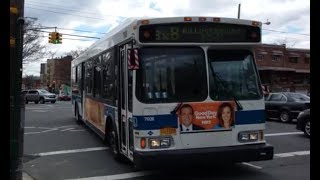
(113, 142)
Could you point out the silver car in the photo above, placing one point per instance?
(39, 95)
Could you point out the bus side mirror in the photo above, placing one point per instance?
(133, 59)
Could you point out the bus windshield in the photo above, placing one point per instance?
(233, 75)
(171, 75)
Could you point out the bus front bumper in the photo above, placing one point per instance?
(243, 153)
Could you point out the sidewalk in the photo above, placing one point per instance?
(26, 176)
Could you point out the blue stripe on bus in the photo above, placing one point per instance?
(250, 117)
(155, 122)
(161, 121)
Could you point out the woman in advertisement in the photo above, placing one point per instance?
(225, 116)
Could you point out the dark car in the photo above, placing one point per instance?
(286, 105)
(64, 97)
(303, 122)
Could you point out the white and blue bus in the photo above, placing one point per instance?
(161, 89)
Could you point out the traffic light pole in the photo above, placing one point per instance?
(16, 100)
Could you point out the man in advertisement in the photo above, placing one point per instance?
(186, 117)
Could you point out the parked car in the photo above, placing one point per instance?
(39, 95)
(64, 97)
(286, 105)
(303, 122)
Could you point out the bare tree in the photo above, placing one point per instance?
(29, 81)
(76, 53)
(33, 50)
(285, 41)
(51, 54)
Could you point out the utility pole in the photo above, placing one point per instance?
(239, 11)
(16, 100)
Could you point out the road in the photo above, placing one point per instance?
(55, 147)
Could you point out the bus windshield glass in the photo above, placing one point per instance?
(171, 75)
(233, 75)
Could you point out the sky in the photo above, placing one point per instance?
(289, 19)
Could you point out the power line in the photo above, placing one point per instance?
(66, 13)
(68, 9)
(72, 39)
(50, 5)
(82, 30)
(68, 34)
(118, 16)
(71, 29)
(285, 32)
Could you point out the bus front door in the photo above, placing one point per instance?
(126, 104)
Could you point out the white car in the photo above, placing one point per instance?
(39, 95)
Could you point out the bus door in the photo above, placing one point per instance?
(125, 103)
(81, 87)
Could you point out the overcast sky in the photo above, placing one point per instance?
(290, 19)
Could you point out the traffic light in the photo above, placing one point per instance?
(58, 39)
(52, 37)
(55, 38)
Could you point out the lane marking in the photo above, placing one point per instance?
(290, 154)
(51, 127)
(119, 176)
(71, 151)
(77, 130)
(67, 126)
(40, 131)
(39, 111)
(67, 129)
(251, 165)
(147, 173)
(39, 108)
(283, 134)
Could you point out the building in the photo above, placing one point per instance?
(31, 82)
(284, 69)
(58, 71)
(43, 74)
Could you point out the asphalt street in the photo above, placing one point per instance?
(56, 147)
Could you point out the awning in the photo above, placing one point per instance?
(277, 53)
(275, 68)
(262, 52)
(303, 70)
(294, 55)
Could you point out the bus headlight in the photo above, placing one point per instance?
(159, 143)
(248, 136)
(165, 143)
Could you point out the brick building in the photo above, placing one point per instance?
(31, 82)
(58, 72)
(43, 74)
(284, 69)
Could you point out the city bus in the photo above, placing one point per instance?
(159, 90)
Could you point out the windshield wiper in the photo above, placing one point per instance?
(220, 82)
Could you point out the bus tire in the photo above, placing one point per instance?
(113, 143)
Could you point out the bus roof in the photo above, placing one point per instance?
(116, 35)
